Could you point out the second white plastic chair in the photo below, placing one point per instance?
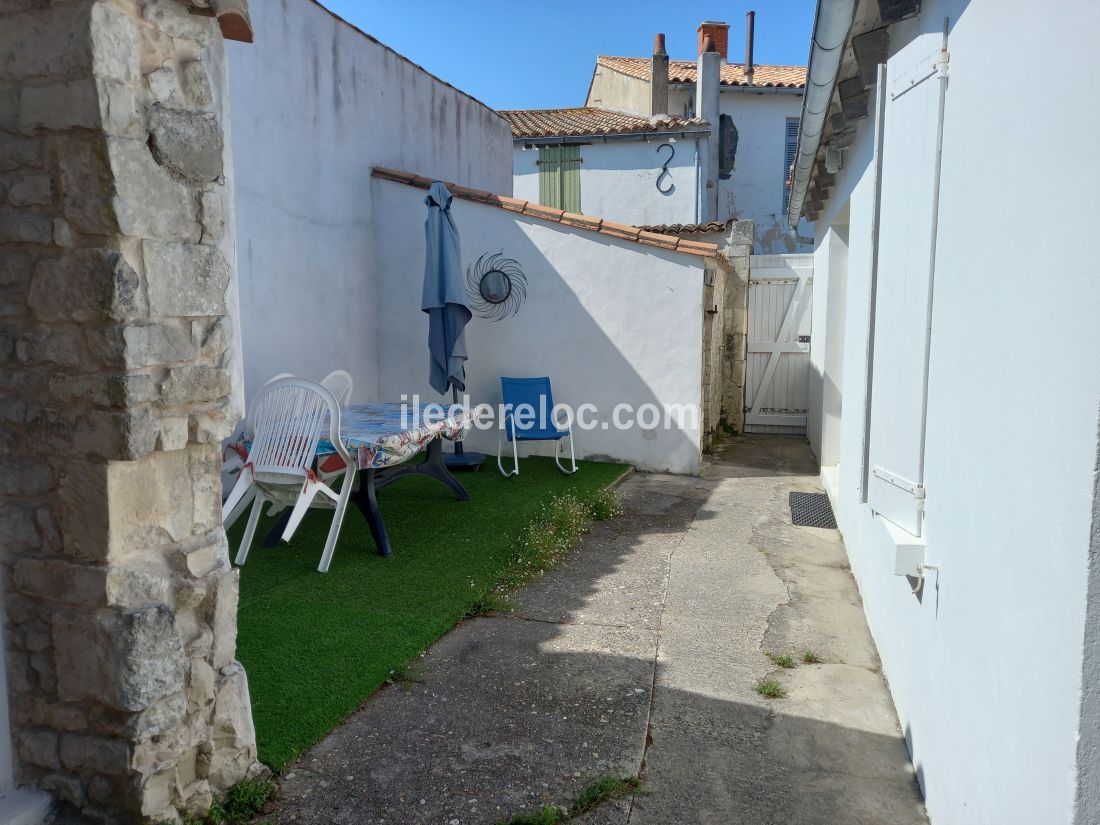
(287, 418)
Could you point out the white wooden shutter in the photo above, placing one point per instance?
(901, 305)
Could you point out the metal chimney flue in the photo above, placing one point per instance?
(750, 25)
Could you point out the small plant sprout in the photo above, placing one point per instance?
(781, 661)
(810, 658)
(770, 688)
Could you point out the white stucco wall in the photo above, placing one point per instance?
(609, 321)
(618, 180)
(755, 189)
(315, 105)
(986, 666)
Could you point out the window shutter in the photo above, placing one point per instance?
(901, 300)
(570, 179)
(549, 175)
(560, 177)
(788, 157)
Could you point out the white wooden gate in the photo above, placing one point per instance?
(777, 381)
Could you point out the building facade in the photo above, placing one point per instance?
(957, 386)
(675, 141)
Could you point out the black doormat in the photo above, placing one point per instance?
(811, 510)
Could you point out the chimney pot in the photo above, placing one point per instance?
(658, 78)
(718, 34)
(750, 25)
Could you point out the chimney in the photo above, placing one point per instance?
(707, 81)
(658, 78)
(750, 25)
(719, 34)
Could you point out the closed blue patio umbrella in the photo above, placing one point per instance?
(444, 299)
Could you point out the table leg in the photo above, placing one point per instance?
(433, 467)
(366, 500)
(276, 531)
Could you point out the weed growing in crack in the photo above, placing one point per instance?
(811, 658)
(781, 661)
(771, 689)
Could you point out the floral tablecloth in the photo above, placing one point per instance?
(385, 435)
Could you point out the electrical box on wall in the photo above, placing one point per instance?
(909, 551)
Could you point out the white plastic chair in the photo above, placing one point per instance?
(339, 383)
(288, 417)
(232, 465)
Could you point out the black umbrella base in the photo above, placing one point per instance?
(464, 461)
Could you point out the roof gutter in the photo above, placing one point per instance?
(546, 140)
(755, 90)
(832, 25)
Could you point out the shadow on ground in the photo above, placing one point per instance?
(641, 655)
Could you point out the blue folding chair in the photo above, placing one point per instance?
(529, 416)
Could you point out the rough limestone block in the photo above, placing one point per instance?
(149, 202)
(185, 279)
(85, 285)
(166, 715)
(233, 735)
(200, 687)
(134, 587)
(60, 581)
(223, 618)
(45, 345)
(188, 143)
(25, 226)
(115, 44)
(196, 83)
(98, 753)
(31, 190)
(213, 216)
(65, 786)
(159, 343)
(150, 502)
(172, 18)
(62, 105)
(194, 384)
(173, 433)
(119, 109)
(126, 660)
(87, 185)
(39, 747)
(165, 85)
(18, 152)
(49, 42)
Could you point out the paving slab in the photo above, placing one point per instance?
(641, 656)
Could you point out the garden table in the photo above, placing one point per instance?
(383, 438)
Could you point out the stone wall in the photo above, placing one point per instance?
(120, 623)
(725, 328)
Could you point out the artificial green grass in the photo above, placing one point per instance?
(316, 645)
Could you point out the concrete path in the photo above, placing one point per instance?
(640, 656)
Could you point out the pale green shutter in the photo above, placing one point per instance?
(550, 175)
(560, 177)
(570, 179)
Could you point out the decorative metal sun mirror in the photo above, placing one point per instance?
(496, 285)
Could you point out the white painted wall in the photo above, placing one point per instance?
(609, 321)
(618, 180)
(620, 175)
(986, 667)
(315, 105)
(755, 189)
(827, 342)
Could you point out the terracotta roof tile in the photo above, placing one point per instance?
(547, 213)
(620, 230)
(537, 210)
(687, 228)
(590, 120)
(731, 74)
(657, 239)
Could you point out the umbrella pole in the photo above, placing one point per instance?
(460, 459)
